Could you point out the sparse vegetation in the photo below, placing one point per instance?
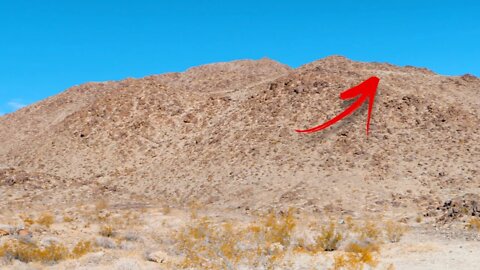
(279, 228)
(27, 220)
(107, 231)
(272, 240)
(131, 236)
(105, 242)
(330, 237)
(67, 219)
(474, 224)
(394, 231)
(356, 257)
(227, 246)
(46, 219)
(269, 242)
(369, 231)
(82, 248)
(32, 252)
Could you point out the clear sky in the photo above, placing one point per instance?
(47, 46)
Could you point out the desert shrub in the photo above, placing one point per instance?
(270, 241)
(356, 257)
(329, 238)
(394, 231)
(125, 245)
(363, 253)
(67, 219)
(474, 224)
(27, 220)
(46, 219)
(350, 223)
(270, 238)
(131, 236)
(129, 219)
(30, 252)
(194, 207)
(101, 216)
(194, 242)
(202, 245)
(105, 242)
(81, 248)
(107, 231)
(100, 213)
(369, 231)
(208, 246)
(51, 253)
(279, 228)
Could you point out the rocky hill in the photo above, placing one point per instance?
(223, 135)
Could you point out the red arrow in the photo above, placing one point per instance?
(365, 90)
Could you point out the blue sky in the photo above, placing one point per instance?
(48, 46)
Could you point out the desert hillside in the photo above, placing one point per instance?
(223, 135)
(204, 170)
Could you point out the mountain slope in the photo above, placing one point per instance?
(223, 134)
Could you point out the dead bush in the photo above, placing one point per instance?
(394, 231)
(46, 219)
(330, 237)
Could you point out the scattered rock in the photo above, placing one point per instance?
(160, 257)
(469, 77)
(461, 206)
(24, 233)
(4, 233)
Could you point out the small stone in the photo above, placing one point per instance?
(160, 257)
(24, 233)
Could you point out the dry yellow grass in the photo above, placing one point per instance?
(330, 237)
(266, 242)
(107, 231)
(418, 219)
(474, 224)
(394, 231)
(356, 257)
(27, 220)
(279, 228)
(219, 246)
(52, 253)
(369, 231)
(46, 219)
(81, 248)
(30, 252)
(67, 219)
